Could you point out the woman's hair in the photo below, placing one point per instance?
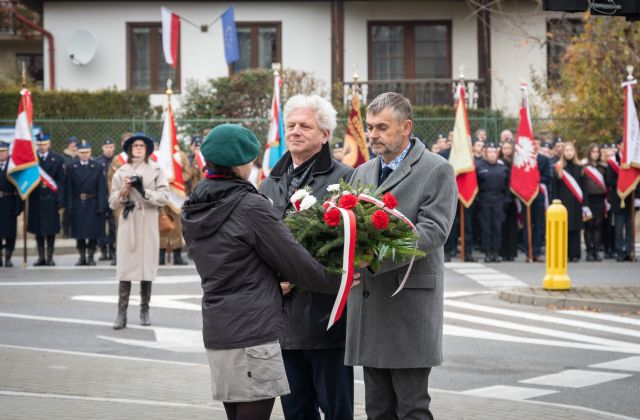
(324, 111)
(589, 150)
(562, 163)
(221, 170)
(130, 157)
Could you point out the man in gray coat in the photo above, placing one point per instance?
(313, 357)
(399, 339)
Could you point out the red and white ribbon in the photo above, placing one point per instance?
(48, 181)
(200, 160)
(122, 157)
(614, 165)
(573, 185)
(348, 254)
(596, 176)
(545, 193)
(406, 221)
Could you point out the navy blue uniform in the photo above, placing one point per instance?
(538, 208)
(493, 194)
(10, 208)
(108, 236)
(86, 199)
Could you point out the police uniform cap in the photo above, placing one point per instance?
(546, 144)
(558, 140)
(108, 140)
(42, 138)
(73, 139)
(4, 146)
(195, 140)
(84, 146)
(490, 145)
(147, 142)
(230, 145)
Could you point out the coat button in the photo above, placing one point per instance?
(365, 293)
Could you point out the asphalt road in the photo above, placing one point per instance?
(491, 347)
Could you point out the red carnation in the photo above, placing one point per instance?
(348, 201)
(389, 201)
(380, 219)
(296, 205)
(332, 217)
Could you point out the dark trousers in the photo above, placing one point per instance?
(452, 241)
(574, 244)
(509, 250)
(491, 217)
(108, 236)
(609, 233)
(8, 243)
(397, 393)
(317, 379)
(51, 240)
(537, 226)
(624, 232)
(593, 227)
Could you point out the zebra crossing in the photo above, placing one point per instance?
(613, 337)
(485, 276)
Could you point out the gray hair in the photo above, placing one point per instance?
(325, 112)
(400, 105)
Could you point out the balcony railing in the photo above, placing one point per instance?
(420, 91)
(6, 18)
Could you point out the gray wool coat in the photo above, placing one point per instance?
(405, 331)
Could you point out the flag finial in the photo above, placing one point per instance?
(276, 68)
(461, 75)
(630, 72)
(169, 85)
(356, 74)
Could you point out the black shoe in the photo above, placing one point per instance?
(597, 256)
(90, 260)
(469, 258)
(488, 257)
(591, 257)
(7, 260)
(574, 259)
(177, 257)
(447, 256)
(103, 254)
(496, 258)
(620, 258)
(81, 261)
(629, 257)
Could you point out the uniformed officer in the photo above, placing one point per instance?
(46, 201)
(493, 189)
(107, 238)
(10, 208)
(86, 202)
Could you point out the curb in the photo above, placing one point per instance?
(528, 296)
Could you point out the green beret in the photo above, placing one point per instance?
(230, 145)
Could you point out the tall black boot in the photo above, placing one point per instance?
(51, 240)
(124, 289)
(113, 254)
(103, 253)
(91, 251)
(145, 297)
(7, 258)
(496, 257)
(177, 257)
(161, 260)
(40, 245)
(80, 246)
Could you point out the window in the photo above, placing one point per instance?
(33, 65)
(259, 44)
(560, 33)
(146, 67)
(409, 50)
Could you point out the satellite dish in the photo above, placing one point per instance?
(82, 47)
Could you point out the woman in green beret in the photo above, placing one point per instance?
(242, 250)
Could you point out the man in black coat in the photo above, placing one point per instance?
(45, 201)
(10, 208)
(313, 357)
(538, 208)
(86, 202)
(493, 194)
(107, 238)
(621, 213)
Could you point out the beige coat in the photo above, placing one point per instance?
(138, 237)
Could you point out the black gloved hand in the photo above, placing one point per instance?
(128, 208)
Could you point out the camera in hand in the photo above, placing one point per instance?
(136, 183)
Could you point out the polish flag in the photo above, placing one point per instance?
(170, 36)
(629, 172)
(169, 160)
(525, 175)
(461, 157)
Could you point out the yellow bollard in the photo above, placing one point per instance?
(557, 247)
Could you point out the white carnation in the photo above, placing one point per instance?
(307, 202)
(333, 188)
(299, 195)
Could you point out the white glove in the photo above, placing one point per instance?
(586, 213)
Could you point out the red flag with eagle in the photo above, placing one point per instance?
(525, 175)
(356, 151)
(169, 160)
(629, 172)
(461, 156)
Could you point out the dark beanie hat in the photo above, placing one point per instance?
(230, 145)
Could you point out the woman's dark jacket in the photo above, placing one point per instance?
(560, 191)
(240, 247)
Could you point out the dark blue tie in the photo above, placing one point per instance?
(384, 174)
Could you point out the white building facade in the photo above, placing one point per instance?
(419, 45)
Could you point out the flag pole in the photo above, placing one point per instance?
(168, 254)
(462, 253)
(25, 202)
(633, 225)
(529, 241)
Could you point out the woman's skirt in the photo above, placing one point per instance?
(248, 374)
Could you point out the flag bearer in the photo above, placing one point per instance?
(10, 208)
(46, 200)
(86, 202)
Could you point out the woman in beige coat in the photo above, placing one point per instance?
(138, 188)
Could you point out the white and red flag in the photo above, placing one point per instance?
(525, 175)
(170, 36)
(276, 146)
(23, 170)
(170, 161)
(461, 156)
(629, 172)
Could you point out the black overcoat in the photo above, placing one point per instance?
(10, 206)
(44, 203)
(86, 199)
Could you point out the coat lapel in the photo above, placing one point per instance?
(403, 170)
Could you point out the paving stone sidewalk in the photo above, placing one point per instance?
(608, 299)
(37, 384)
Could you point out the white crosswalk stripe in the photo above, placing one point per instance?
(485, 276)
